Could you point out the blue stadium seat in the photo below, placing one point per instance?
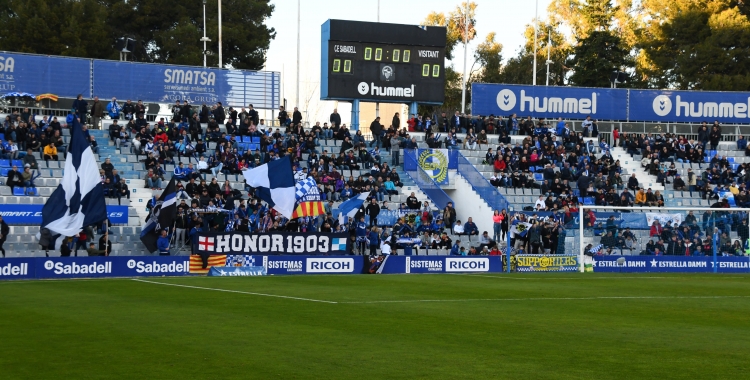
(246, 139)
(256, 140)
(4, 172)
(4, 163)
(588, 201)
(19, 191)
(538, 177)
(18, 163)
(2, 136)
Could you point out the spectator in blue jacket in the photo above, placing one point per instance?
(163, 243)
(179, 172)
(470, 228)
(456, 249)
(114, 109)
(374, 238)
(741, 143)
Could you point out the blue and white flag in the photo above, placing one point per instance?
(162, 217)
(350, 207)
(306, 190)
(274, 183)
(79, 199)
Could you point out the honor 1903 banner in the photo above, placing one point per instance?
(272, 243)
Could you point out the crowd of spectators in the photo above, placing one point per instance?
(691, 237)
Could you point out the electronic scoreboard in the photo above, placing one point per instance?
(382, 62)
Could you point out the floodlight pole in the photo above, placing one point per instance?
(220, 62)
(549, 42)
(205, 38)
(536, 13)
(377, 104)
(296, 100)
(466, 39)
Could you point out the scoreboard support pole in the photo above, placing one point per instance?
(355, 115)
(413, 108)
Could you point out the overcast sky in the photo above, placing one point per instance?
(507, 18)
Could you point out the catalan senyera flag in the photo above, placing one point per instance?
(196, 264)
(311, 208)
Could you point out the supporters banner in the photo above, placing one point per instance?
(546, 263)
(32, 214)
(41, 74)
(689, 106)
(198, 85)
(703, 264)
(549, 101)
(272, 243)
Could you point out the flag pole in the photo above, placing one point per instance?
(106, 238)
(173, 236)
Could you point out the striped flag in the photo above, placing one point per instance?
(79, 199)
(311, 208)
(196, 264)
(162, 217)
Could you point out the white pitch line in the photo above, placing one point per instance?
(541, 277)
(235, 291)
(544, 299)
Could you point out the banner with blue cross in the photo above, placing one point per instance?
(240, 247)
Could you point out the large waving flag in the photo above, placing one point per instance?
(351, 206)
(162, 217)
(79, 199)
(274, 183)
(308, 199)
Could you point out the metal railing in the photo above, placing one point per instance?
(428, 185)
(481, 185)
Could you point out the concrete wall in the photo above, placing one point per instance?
(470, 204)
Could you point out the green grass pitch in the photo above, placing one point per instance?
(552, 326)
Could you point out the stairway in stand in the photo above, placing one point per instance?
(634, 166)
